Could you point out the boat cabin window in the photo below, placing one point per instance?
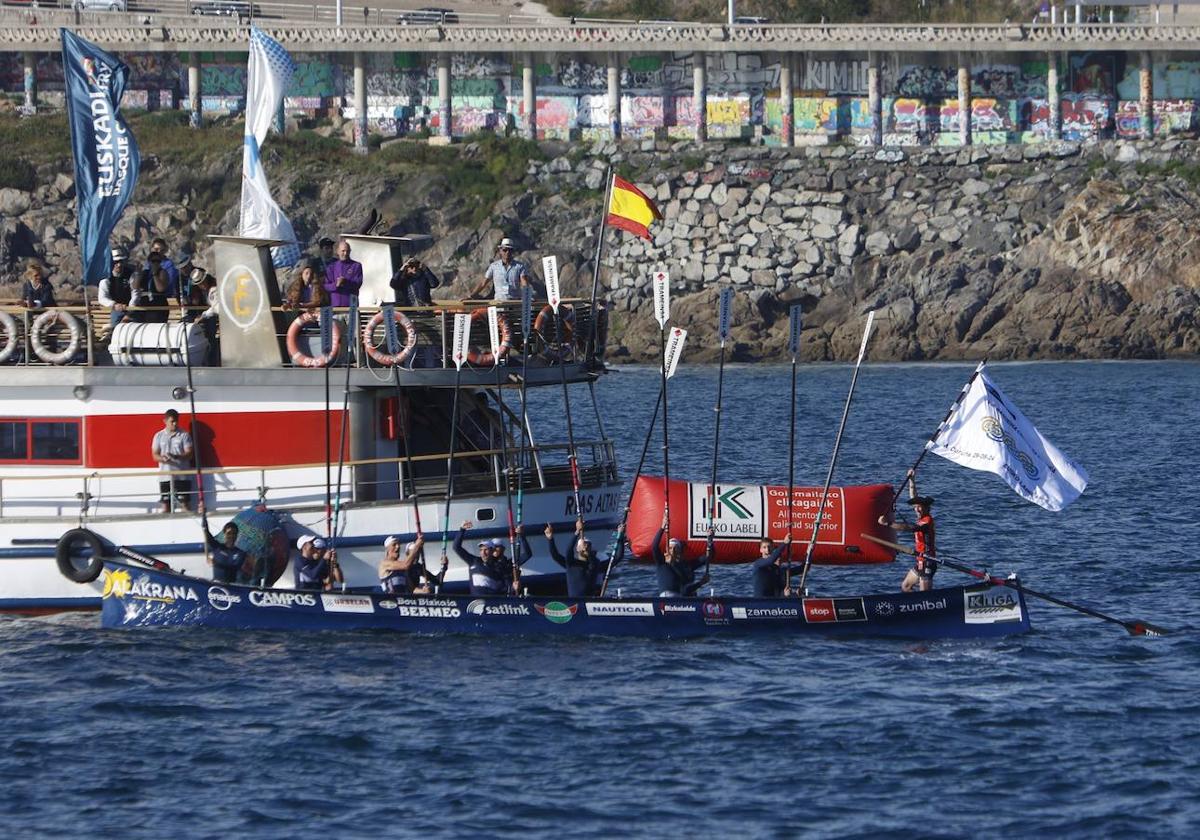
(39, 441)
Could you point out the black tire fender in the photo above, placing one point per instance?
(66, 565)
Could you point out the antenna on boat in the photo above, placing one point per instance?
(794, 320)
(462, 337)
(550, 274)
(812, 543)
(608, 181)
(724, 319)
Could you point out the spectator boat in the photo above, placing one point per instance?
(138, 595)
(77, 477)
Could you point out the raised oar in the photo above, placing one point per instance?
(618, 542)
(526, 326)
(550, 275)
(462, 338)
(200, 506)
(351, 342)
(493, 315)
(326, 324)
(837, 443)
(403, 445)
(795, 318)
(724, 318)
(1136, 627)
(662, 314)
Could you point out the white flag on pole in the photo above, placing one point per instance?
(662, 298)
(987, 432)
(674, 350)
(268, 75)
(550, 275)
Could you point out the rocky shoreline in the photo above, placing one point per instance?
(1049, 251)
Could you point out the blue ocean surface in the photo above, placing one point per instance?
(1076, 729)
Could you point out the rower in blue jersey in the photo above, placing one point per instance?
(311, 568)
(581, 564)
(226, 558)
(486, 576)
(676, 574)
(504, 564)
(403, 572)
(770, 573)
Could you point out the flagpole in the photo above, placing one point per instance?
(608, 179)
(837, 443)
(924, 449)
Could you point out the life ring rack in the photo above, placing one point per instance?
(11, 333)
(299, 357)
(46, 320)
(484, 358)
(408, 344)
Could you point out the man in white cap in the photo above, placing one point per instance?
(506, 276)
(312, 566)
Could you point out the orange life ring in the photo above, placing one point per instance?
(299, 357)
(545, 320)
(484, 358)
(410, 339)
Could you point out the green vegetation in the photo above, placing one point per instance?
(1189, 173)
(17, 173)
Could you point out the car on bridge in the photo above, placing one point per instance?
(427, 16)
(101, 5)
(227, 8)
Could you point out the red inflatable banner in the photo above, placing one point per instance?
(745, 513)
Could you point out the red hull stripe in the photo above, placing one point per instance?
(235, 439)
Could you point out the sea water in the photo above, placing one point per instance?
(1076, 729)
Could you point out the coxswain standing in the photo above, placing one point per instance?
(676, 575)
(924, 532)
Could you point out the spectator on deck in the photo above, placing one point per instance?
(152, 299)
(344, 277)
(172, 449)
(325, 256)
(158, 259)
(37, 293)
(504, 277)
(413, 283)
(306, 290)
(116, 290)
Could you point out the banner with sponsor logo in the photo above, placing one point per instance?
(106, 154)
(268, 75)
(987, 432)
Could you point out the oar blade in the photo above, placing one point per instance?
(1144, 628)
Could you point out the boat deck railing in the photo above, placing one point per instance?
(83, 336)
(135, 493)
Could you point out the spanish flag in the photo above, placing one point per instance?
(629, 209)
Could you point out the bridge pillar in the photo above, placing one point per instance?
(1146, 95)
(964, 102)
(529, 91)
(1053, 97)
(30, 83)
(787, 100)
(444, 95)
(360, 104)
(614, 94)
(700, 94)
(875, 98)
(195, 117)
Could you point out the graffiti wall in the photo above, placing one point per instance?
(919, 101)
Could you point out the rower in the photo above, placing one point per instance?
(580, 564)
(770, 574)
(503, 565)
(226, 558)
(485, 577)
(403, 572)
(676, 575)
(312, 566)
(924, 532)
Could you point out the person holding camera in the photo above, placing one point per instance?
(414, 283)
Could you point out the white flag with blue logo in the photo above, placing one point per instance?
(987, 432)
(269, 73)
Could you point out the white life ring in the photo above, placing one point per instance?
(11, 332)
(42, 323)
(408, 343)
(302, 359)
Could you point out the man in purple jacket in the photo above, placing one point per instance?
(343, 277)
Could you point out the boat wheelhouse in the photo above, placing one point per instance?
(368, 444)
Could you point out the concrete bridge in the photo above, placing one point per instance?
(613, 44)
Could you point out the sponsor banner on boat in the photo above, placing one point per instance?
(482, 607)
(991, 607)
(819, 610)
(221, 598)
(714, 612)
(748, 512)
(387, 604)
(431, 608)
(120, 584)
(275, 598)
(556, 611)
(341, 603)
(743, 613)
(668, 609)
(610, 609)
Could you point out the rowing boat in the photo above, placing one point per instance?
(140, 596)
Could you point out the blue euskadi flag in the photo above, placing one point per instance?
(106, 155)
